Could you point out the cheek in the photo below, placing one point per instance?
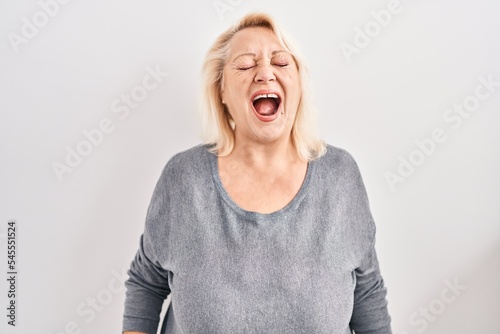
(291, 79)
(233, 89)
(293, 87)
(243, 81)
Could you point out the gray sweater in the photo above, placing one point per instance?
(309, 268)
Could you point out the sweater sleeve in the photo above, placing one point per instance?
(370, 314)
(147, 286)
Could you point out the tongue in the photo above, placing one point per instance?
(266, 106)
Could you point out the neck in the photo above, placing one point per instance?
(267, 156)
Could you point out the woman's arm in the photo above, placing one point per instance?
(147, 289)
(370, 314)
(148, 286)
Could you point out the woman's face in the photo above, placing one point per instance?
(260, 87)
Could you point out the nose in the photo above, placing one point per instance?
(265, 74)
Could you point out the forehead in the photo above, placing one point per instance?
(255, 39)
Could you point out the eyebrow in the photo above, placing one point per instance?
(254, 55)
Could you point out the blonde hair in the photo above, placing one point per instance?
(218, 126)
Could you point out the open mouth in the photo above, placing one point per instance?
(266, 105)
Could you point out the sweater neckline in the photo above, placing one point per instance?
(299, 196)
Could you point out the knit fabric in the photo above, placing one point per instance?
(308, 268)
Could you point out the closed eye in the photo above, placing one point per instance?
(244, 68)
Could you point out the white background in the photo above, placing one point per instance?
(76, 235)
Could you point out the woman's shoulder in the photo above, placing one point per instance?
(188, 163)
(338, 158)
(193, 156)
(338, 166)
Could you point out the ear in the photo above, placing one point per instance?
(221, 93)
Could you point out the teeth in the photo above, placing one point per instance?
(263, 96)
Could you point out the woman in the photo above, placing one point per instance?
(263, 229)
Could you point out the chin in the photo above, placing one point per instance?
(271, 134)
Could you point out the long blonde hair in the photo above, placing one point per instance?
(218, 127)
